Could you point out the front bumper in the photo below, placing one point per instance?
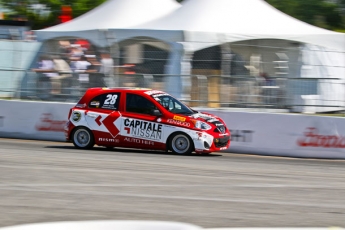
(221, 142)
(207, 143)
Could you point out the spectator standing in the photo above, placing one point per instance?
(107, 69)
(96, 78)
(62, 81)
(81, 66)
(45, 71)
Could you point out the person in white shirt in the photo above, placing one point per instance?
(107, 68)
(45, 72)
(81, 67)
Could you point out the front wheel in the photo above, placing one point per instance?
(181, 144)
(83, 138)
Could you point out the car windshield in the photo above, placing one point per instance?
(173, 105)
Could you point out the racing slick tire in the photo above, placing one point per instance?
(181, 143)
(82, 138)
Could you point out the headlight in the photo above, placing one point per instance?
(201, 125)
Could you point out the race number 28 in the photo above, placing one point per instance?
(111, 99)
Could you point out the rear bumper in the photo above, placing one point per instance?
(67, 130)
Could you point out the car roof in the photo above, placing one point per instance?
(119, 89)
(93, 92)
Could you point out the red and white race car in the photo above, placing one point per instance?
(143, 119)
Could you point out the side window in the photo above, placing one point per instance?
(106, 101)
(138, 104)
(169, 104)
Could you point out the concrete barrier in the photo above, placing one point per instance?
(33, 120)
(292, 135)
(251, 132)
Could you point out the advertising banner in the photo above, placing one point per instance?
(251, 132)
(285, 134)
(33, 120)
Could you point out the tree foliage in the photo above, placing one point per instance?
(322, 13)
(316, 12)
(45, 13)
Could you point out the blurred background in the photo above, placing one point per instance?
(54, 50)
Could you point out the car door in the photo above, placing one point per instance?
(102, 116)
(141, 129)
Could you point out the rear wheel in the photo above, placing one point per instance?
(180, 143)
(83, 138)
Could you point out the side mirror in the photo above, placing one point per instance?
(156, 112)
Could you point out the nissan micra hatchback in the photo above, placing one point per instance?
(143, 119)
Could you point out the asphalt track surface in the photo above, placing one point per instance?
(52, 181)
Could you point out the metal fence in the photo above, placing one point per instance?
(257, 75)
(288, 95)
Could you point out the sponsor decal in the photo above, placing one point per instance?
(151, 92)
(139, 141)
(2, 121)
(199, 135)
(212, 120)
(221, 128)
(222, 148)
(159, 120)
(180, 123)
(98, 120)
(143, 129)
(202, 116)
(95, 103)
(76, 116)
(312, 138)
(108, 140)
(81, 105)
(242, 135)
(155, 96)
(178, 118)
(47, 123)
(110, 101)
(109, 123)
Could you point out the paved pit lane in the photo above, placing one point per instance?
(52, 181)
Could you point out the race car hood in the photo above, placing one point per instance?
(211, 119)
(205, 117)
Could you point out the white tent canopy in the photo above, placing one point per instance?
(201, 23)
(113, 14)
(196, 25)
(220, 21)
